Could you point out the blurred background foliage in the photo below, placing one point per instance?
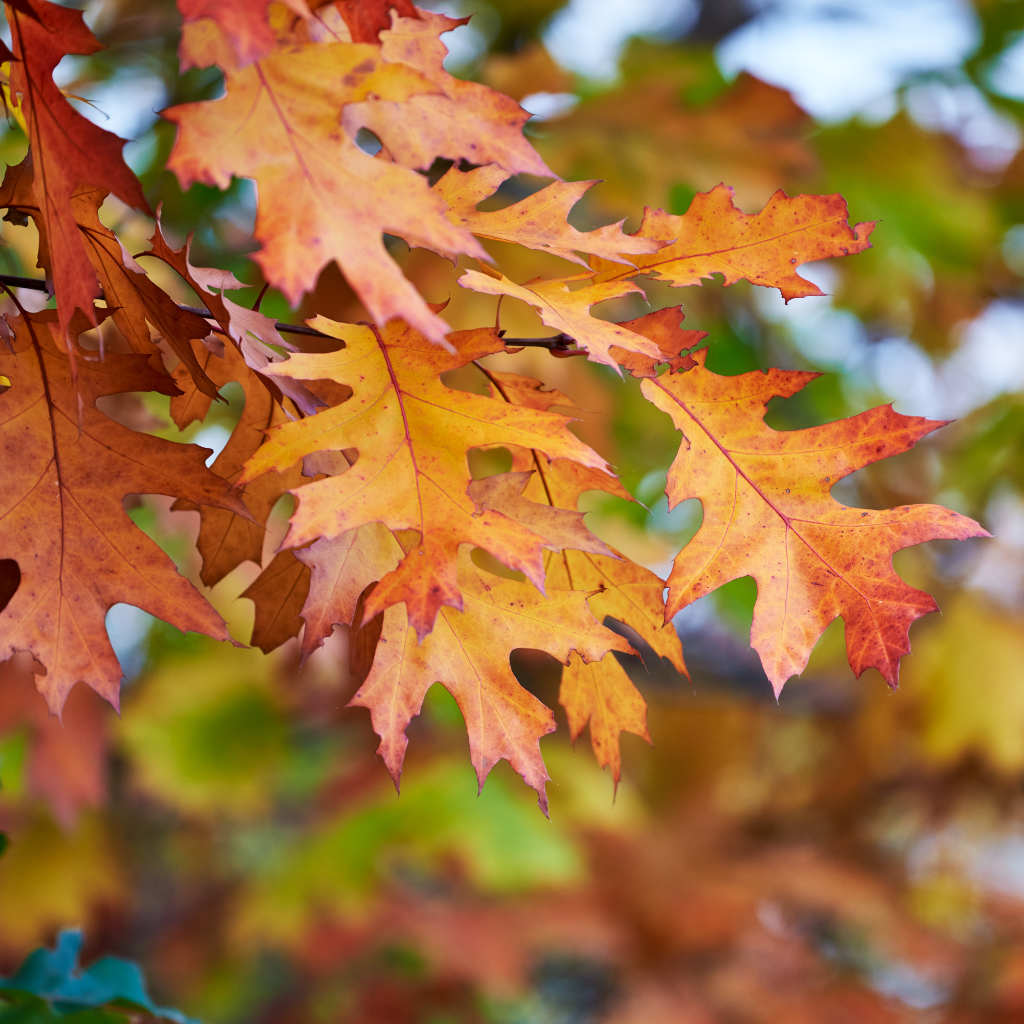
(848, 854)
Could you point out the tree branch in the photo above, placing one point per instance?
(560, 343)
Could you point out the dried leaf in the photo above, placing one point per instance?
(278, 593)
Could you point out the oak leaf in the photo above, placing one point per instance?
(768, 514)
(765, 248)
(601, 694)
(560, 527)
(539, 221)
(662, 327)
(278, 594)
(256, 336)
(460, 121)
(412, 433)
(136, 303)
(616, 588)
(467, 652)
(61, 515)
(67, 151)
(320, 197)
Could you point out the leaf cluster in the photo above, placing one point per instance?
(344, 117)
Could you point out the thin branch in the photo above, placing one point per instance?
(560, 343)
(24, 282)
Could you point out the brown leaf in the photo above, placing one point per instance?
(278, 593)
(228, 538)
(67, 150)
(62, 517)
(135, 302)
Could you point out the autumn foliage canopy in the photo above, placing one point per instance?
(354, 134)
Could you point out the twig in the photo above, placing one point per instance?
(558, 343)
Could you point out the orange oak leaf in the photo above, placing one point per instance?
(714, 237)
(320, 197)
(460, 121)
(243, 22)
(768, 514)
(663, 328)
(601, 694)
(412, 434)
(468, 653)
(617, 587)
(538, 221)
(567, 309)
(67, 150)
(620, 589)
(61, 514)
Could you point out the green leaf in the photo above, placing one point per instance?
(49, 985)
